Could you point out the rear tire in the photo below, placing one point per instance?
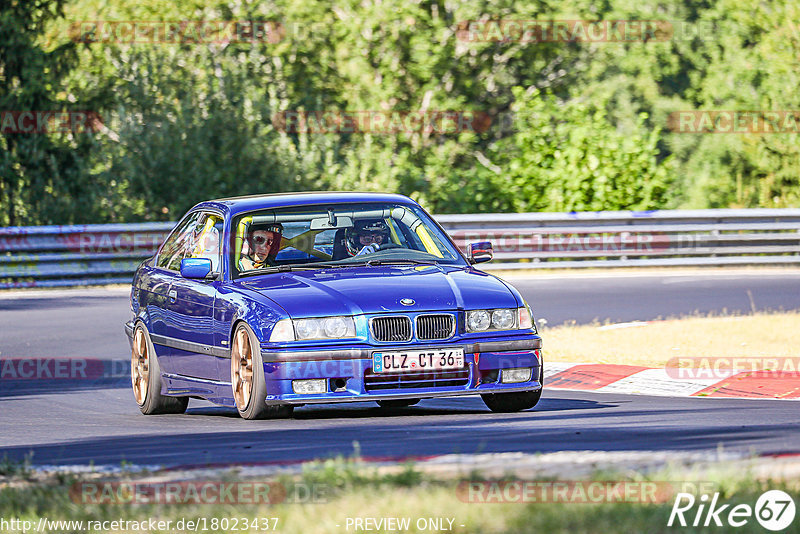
(146, 378)
(247, 378)
(399, 403)
(515, 402)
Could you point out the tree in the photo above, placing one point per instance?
(43, 176)
(567, 156)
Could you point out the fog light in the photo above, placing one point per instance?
(308, 387)
(512, 376)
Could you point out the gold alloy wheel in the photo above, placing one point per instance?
(140, 366)
(242, 369)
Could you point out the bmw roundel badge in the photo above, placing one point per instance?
(407, 302)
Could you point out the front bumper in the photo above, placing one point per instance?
(129, 332)
(529, 386)
(349, 377)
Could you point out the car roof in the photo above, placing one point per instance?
(235, 205)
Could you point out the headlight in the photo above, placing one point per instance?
(307, 328)
(335, 327)
(316, 328)
(483, 320)
(503, 319)
(477, 320)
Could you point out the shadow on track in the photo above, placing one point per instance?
(39, 304)
(21, 388)
(254, 444)
(360, 410)
(563, 424)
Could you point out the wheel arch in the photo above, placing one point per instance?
(235, 324)
(259, 318)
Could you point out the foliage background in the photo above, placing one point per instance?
(575, 126)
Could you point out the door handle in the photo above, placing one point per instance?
(173, 295)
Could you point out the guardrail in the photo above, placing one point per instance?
(627, 239)
(52, 256)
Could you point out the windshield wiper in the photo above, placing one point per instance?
(313, 266)
(398, 261)
(287, 268)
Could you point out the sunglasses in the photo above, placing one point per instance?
(261, 240)
(374, 238)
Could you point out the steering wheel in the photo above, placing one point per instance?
(387, 246)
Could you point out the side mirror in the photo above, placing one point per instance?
(480, 252)
(195, 267)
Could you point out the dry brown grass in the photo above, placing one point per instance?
(653, 344)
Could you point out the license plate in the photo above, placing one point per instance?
(417, 360)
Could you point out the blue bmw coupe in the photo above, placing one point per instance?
(275, 301)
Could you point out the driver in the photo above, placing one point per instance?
(264, 242)
(366, 236)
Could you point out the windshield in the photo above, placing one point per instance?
(338, 235)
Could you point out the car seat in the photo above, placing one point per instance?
(339, 248)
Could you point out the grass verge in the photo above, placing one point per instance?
(653, 344)
(353, 491)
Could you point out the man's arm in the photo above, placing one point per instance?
(246, 264)
(369, 249)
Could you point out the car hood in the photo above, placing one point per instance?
(380, 289)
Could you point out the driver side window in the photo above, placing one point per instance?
(207, 243)
(180, 243)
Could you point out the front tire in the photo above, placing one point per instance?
(247, 378)
(515, 402)
(146, 378)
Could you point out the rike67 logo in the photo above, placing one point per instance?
(774, 510)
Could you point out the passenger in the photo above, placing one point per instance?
(264, 242)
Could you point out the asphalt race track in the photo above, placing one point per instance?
(104, 427)
(100, 424)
